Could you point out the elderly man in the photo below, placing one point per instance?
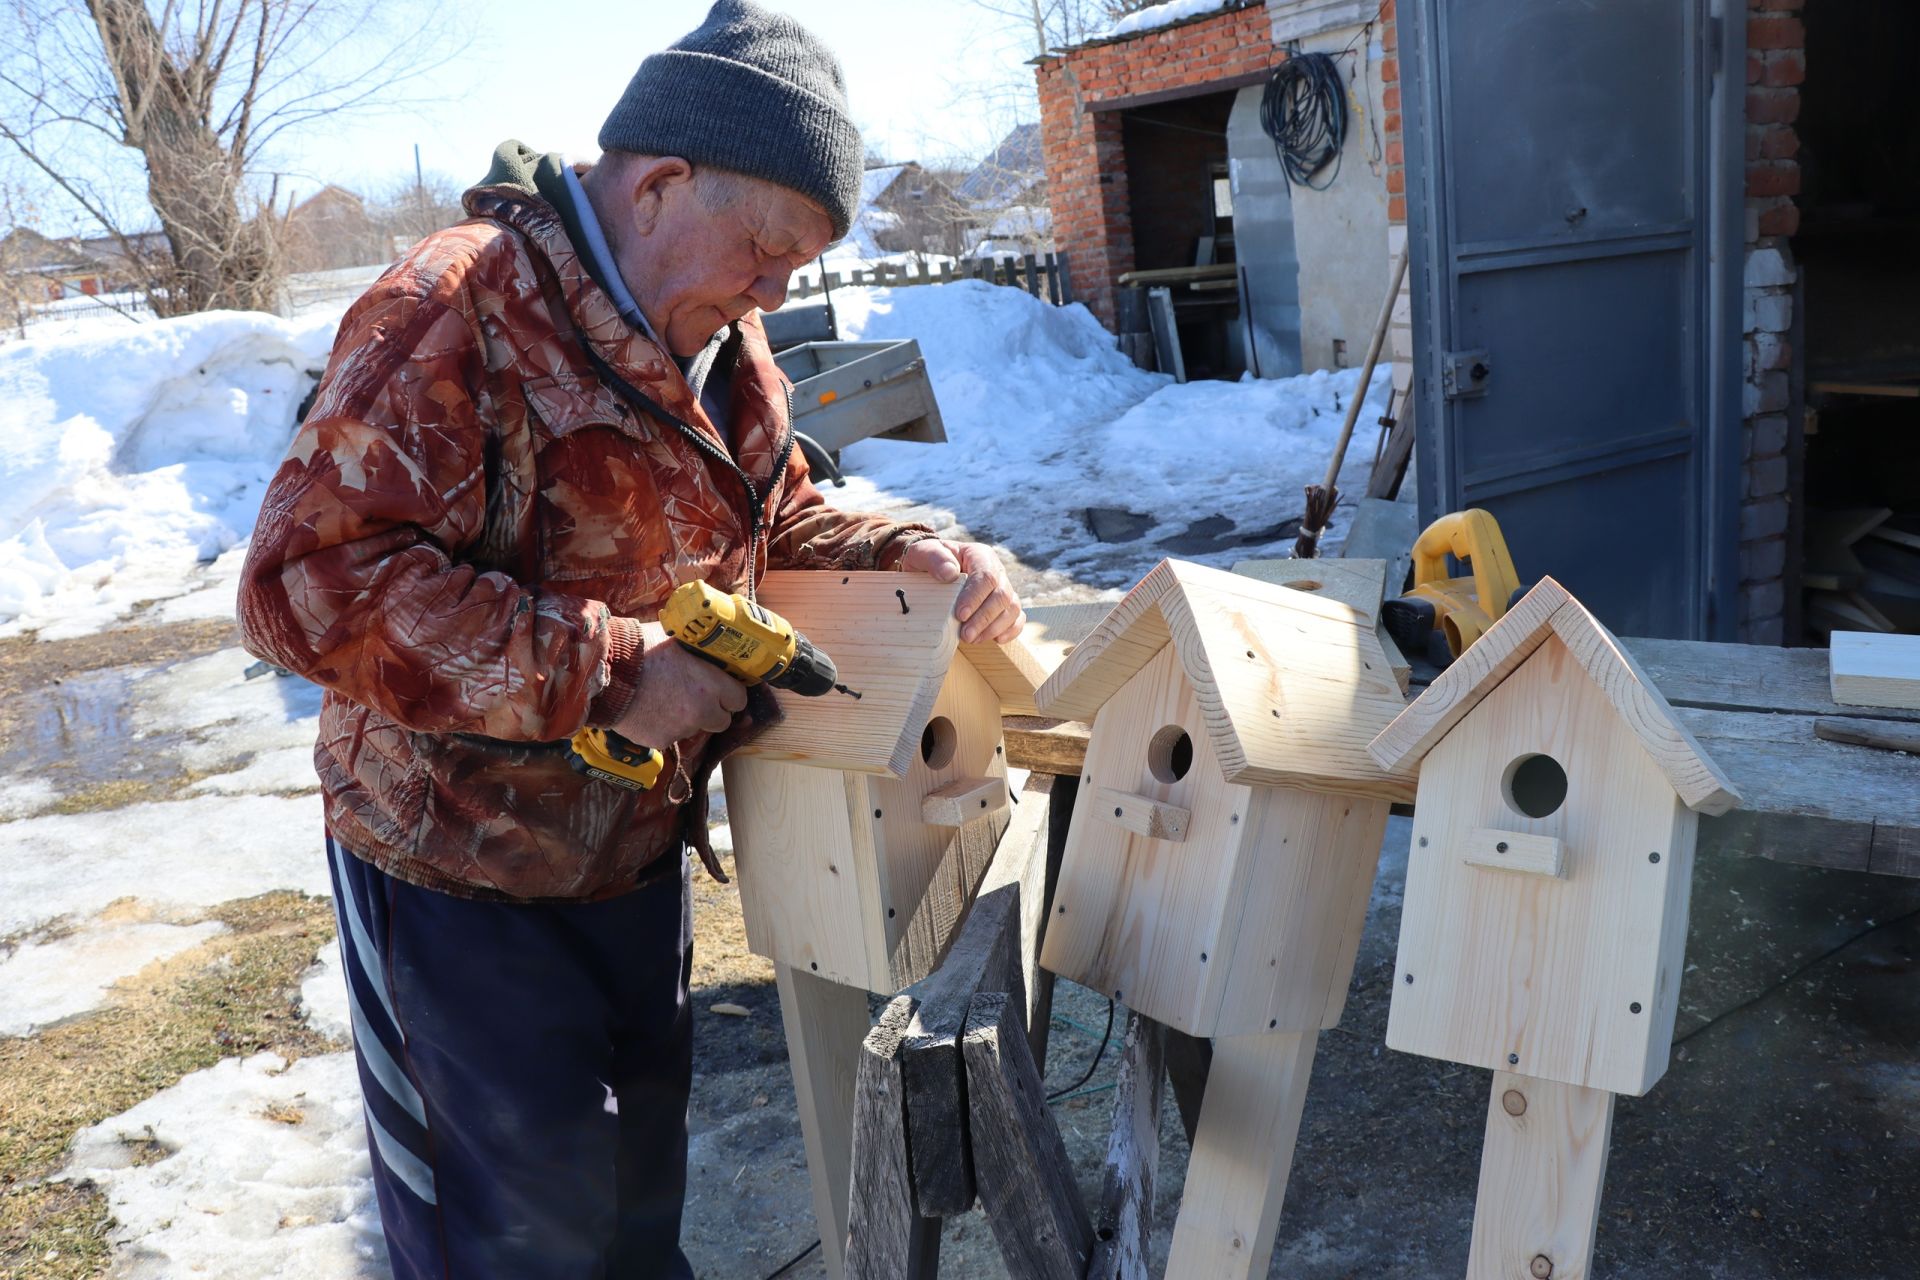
(531, 430)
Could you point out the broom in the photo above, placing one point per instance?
(1321, 497)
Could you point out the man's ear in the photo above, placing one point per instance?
(651, 182)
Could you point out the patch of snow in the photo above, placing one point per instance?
(323, 996)
(1045, 417)
(180, 854)
(129, 456)
(287, 771)
(45, 983)
(266, 1173)
(1153, 17)
(21, 797)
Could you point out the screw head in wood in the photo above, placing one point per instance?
(1116, 812)
(814, 965)
(1634, 1007)
(1060, 911)
(889, 913)
(1514, 1102)
(876, 813)
(1272, 1023)
(1513, 1059)
(1423, 842)
(1541, 1268)
(1653, 857)
(1501, 847)
(1409, 979)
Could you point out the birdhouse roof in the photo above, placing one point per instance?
(1549, 610)
(1016, 671)
(1291, 685)
(892, 636)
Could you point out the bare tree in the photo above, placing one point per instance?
(413, 209)
(1054, 23)
(199, 89)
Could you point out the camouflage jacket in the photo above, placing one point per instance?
(466, 533)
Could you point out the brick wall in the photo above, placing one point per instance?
(1081, 94)
(1776, 65)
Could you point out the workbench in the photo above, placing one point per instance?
(1803, 800)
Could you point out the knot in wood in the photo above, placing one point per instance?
(1515, 1102)
(1541, 1267)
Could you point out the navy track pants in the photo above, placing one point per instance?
(525, 1071)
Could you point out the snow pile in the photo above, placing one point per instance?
(1160, 15)
(265, 1173)
(42, 983)
(129, 455)
(1046, 418)
(323, 995)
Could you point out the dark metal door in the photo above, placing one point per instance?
(1573, 212)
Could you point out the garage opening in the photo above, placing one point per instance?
(1860, 216)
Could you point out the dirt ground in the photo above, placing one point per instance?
(1783, 1143)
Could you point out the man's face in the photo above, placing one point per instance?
(709, 255)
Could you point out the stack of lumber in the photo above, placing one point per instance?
(1863, 571)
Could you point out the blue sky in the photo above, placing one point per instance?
(912, 71)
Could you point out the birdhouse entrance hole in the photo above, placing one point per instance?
(1170, 754)
(1535, 786)
(938, 742)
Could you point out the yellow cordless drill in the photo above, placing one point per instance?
(746, 640)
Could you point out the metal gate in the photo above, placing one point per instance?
(1574, 201)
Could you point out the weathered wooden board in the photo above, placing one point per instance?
(1876, 670)
(1541, 1173)
(1744, 677)
(996, 949)
(1574, 979)
(892, 636)
(1025, 1176)
(1124, 1220)
(886, 1238)
(1242, 1154)
(1047, 746)
(825, 1024)
(1808, 801)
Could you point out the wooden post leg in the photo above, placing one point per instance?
(825, 1024)
(1541, 1171)
(887, 1239)
(1242, 1153)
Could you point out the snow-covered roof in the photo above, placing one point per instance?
(874, 182)
(1156, 16)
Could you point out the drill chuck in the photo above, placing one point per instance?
(811, 674)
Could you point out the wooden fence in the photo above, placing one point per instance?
(1047, 278)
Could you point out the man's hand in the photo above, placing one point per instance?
(677, 695)
(987, 608)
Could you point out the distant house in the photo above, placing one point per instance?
(905, 209)
(332, 229)
(43, 266)
(1014, 175)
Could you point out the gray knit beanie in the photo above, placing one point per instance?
(752, 91)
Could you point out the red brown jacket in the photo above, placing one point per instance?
(466, 533)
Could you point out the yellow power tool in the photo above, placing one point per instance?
(1460, 608)
(748, 641)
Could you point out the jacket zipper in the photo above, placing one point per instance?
(756, 501)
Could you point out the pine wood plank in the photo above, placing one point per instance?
(1242, 1154)
(892, 636)
(1876, 670)
(1142, 815)
(996, 949)
(1025, 1176)
(1123, 1224)
(1541, 1172)
(1575, 979)
(886, 1238)
(1517, 851)
(826, 1024)
(1132, 916)
(964, 801)
(809, 879)
(1358, 584)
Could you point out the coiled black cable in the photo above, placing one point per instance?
(1304, 111)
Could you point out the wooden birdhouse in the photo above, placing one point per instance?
(1546, 900)
(1544, 926)
(1229, 819)
(862, 825)
(1223, 846)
